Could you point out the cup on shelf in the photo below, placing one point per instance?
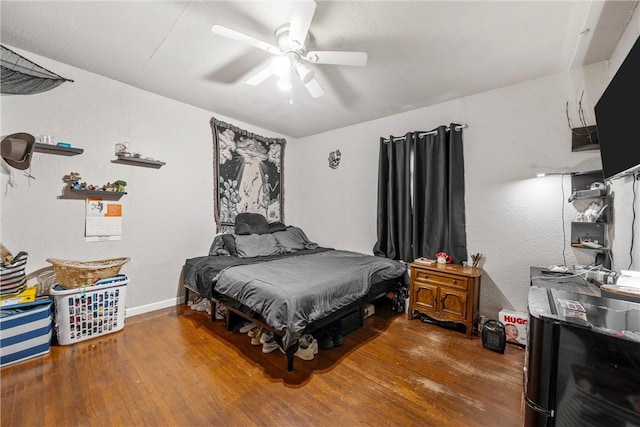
(45, 139)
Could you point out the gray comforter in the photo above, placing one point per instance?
(293, 292)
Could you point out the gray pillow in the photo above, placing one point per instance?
(218, 247)
(255, 245)
(251, 223)
(276, 226)
(293, 239)
(230, 244)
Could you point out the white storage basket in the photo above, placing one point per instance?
(89, 312)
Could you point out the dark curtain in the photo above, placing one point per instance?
(421, 208)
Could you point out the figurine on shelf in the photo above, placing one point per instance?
(122, 149)
(110, 187)
(73, 179)
(120, 185)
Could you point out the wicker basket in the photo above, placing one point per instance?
(75, 274)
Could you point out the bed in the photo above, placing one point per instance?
(287, 284)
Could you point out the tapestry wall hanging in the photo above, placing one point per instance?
(247, 171)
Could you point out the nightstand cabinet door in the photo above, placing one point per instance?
(426, 296)
(453, 302)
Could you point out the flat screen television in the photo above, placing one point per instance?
(618, 118)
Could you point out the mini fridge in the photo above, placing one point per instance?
(582, 360)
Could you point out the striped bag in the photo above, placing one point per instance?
(12, 277)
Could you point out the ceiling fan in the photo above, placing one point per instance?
(291, 54)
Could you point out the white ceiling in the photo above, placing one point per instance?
(420, 52)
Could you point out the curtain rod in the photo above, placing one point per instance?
(433, 132)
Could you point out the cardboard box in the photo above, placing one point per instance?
(515, 324)
(369, 310)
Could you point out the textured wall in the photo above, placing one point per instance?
(168, 212)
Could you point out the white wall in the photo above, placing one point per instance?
(513, 218)
(168, 212)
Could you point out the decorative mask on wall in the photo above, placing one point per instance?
(334, 159)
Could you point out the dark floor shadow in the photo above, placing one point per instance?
(274, 365)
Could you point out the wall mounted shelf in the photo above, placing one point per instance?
(583, 231)
(80, 194)
(134, 161)
(56, 149)
(580, 246)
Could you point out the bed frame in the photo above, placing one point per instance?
(236, 312)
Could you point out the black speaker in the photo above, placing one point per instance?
(493, 336)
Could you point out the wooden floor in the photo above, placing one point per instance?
(174, 367)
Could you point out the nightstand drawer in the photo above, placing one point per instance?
(440, 279)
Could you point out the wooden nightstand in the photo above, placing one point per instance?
(445, 292)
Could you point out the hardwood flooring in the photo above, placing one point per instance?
(174, 367)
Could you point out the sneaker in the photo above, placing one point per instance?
(266, 335)
(305, 353)
(246, 327)
(269, 343)
(201, 306)
(308, 340)
(256, 338)
(253, 331)
(325, 339)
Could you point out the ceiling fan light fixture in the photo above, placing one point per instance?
(306, 74)
(281, 65)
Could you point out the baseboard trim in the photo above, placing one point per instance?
(135, 311)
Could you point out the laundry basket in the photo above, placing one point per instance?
(89, 312)
(76, 274)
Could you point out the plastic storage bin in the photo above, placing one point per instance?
(89, 312)
(25, 331)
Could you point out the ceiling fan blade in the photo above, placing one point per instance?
(251, 41)
(314, 88)
(337, 58)
(260, 76)
(301, 17)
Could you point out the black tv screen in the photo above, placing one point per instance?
(618, 118)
